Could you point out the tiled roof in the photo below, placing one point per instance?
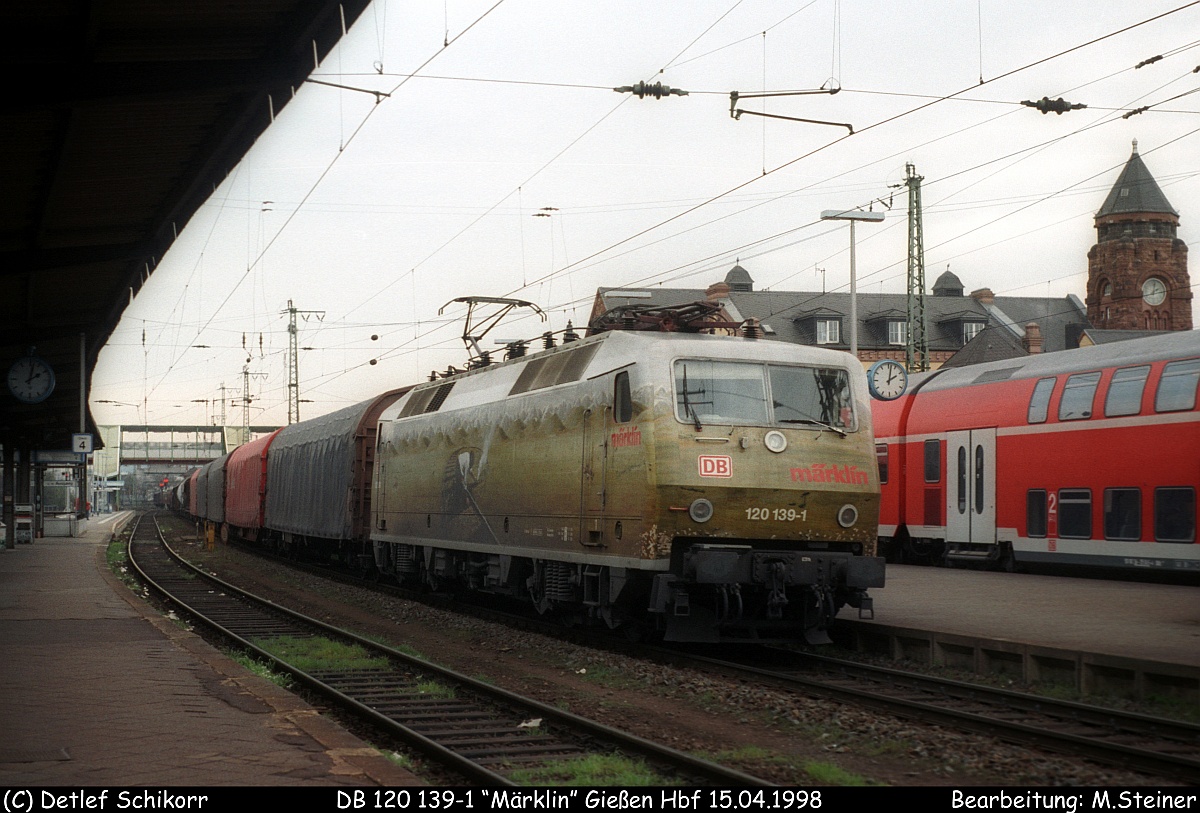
(1135, 191)
(791, 315)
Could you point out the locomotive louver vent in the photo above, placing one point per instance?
(559, 368)
(427, 400)
(439, 397)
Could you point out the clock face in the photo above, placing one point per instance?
(887, 380)
(30, 380)
(1154, 291)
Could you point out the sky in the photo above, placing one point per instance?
(464, 148)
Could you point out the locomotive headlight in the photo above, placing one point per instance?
(847, 515)
(775, 441)
(700, 510)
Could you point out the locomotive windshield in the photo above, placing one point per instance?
(728, 392)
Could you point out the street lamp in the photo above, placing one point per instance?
(853, 215)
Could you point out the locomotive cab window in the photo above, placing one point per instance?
(725, 392)
(881, 458)
(1039, 402)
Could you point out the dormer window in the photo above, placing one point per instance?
(829, 331)
(970, 330)
(897, 331)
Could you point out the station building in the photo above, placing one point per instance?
(1138, 284)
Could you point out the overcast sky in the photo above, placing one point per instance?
(378, 213)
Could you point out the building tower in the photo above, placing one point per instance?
(1137, 271)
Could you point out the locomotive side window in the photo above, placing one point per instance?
(1039, 403)
(1125, 391)
(933, 461)
(881, 457)
(1123, 514)
(1078, 395)
(723, 392)
(1035, 512)
(622, 398)
(1075, 513)
(1177, 388)
(1175, 514)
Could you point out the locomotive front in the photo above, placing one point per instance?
(767, 490)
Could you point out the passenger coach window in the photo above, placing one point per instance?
(1035, 512)
(1077, 397)
(1075, 513)
(1177, 388)
(1123, 514)
(962, 479)
(933, 461)
(881, 457)
(1039, 403)
(1125, 392)
(622, 399)
(1175, 514)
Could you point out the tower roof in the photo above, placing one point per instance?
(738, 279)
(948, 284)
(1136, 191)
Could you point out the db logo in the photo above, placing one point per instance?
(716, 465)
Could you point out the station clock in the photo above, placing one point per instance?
(887, 380)
(31, 379)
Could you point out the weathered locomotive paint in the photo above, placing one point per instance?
(507, 481)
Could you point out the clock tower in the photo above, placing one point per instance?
(1137, 271)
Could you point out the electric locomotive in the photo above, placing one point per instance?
(710, 488)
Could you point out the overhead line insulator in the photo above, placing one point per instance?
(657, 90)
(1048, 105)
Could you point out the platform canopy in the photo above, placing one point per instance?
(121, 118)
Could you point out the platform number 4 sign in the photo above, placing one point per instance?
(81, 443)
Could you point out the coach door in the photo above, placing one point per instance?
(971, 486)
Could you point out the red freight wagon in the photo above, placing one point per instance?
(193, 490)
(246, 488)
(1087, 457)
(319, 481)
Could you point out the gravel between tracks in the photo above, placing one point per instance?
(781, 736)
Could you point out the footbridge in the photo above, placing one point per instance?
(166, 444)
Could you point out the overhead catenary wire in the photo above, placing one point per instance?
(557, 289)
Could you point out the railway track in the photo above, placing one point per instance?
(483, 733)
(1150, 745)
(1137, 742)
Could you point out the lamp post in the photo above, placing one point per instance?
(853, 215)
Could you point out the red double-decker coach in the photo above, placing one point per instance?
(1083, 458)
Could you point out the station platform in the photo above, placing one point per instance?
(1101, 636)
(98, 689)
